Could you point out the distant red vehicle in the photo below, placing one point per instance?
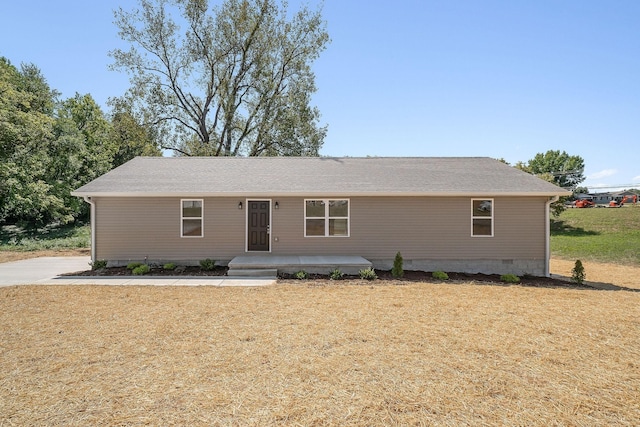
(584, 203)
(616, 204)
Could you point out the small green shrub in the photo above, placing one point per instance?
(133, 265)
(169, 266)
(440, 275)
(397, 270)
(141, 269)
(510, 278)
(302, 275)
(98, 264)
(336, 274)
(207, 264)
(577, 273)
(368, 274)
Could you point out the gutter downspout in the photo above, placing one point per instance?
(93, 227)
(547, 243)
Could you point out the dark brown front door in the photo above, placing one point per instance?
(258, 225)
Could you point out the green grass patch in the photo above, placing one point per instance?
(598, 234)
(74, 236)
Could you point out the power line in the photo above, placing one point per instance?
(604, 187)
(563, 173)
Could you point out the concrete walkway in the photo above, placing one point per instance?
(38, 270)
(47, 271)
(161, 281)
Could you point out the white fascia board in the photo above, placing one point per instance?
(319, 194)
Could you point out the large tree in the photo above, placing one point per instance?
(88, 145)
(130, 136)
(567, 171)
(50, 147)
(26, 136)
(235, 80)
(83, 149)
(559, 168)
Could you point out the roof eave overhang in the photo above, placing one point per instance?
(309, 194)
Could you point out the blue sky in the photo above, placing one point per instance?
(416, 77)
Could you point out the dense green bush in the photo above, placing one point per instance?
(577, 273)
(141, 269)
(207, 264)
(133, 265)
(510, 278)
(397, 270)
(98, 264)
(169, 266)
(302, 275)
(440, 275)
(336, 274)
(368, 274)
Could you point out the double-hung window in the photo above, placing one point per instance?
(191, 218)
(482, 217)
(326, 218)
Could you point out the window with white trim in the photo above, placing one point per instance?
(191, 218)
(326, 218)
(482, 217)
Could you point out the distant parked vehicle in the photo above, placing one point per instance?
(584, 203)
(616, 204)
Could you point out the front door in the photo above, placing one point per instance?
(258, 225)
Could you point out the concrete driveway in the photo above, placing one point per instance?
(46, 271)
(39, 270)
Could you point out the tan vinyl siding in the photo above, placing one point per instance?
(419, 227)
(135, 228)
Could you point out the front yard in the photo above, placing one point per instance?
(308, 354)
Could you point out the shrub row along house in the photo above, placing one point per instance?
(452, 214)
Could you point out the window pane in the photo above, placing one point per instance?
(315, 227)
(482, 227)
(315, 208)
(482, 208)
(192, 208)
(338, 227)
(338, 208)
(192, 227)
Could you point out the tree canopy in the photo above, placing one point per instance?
(50, 147)
(566, 171)
(26, 137)
(559, 168)
(236, 79)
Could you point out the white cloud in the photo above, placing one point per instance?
(603, 174)
(636, 179)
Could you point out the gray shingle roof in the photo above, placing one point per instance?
(315, 176)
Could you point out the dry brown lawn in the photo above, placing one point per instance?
(414, 354)
(615, 274)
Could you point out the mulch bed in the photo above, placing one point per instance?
(409, 276)
(319, 279)
(155, 271)
(482, 278)
(427, 277)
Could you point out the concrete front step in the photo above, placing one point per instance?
(318, 264)
(246, 272)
